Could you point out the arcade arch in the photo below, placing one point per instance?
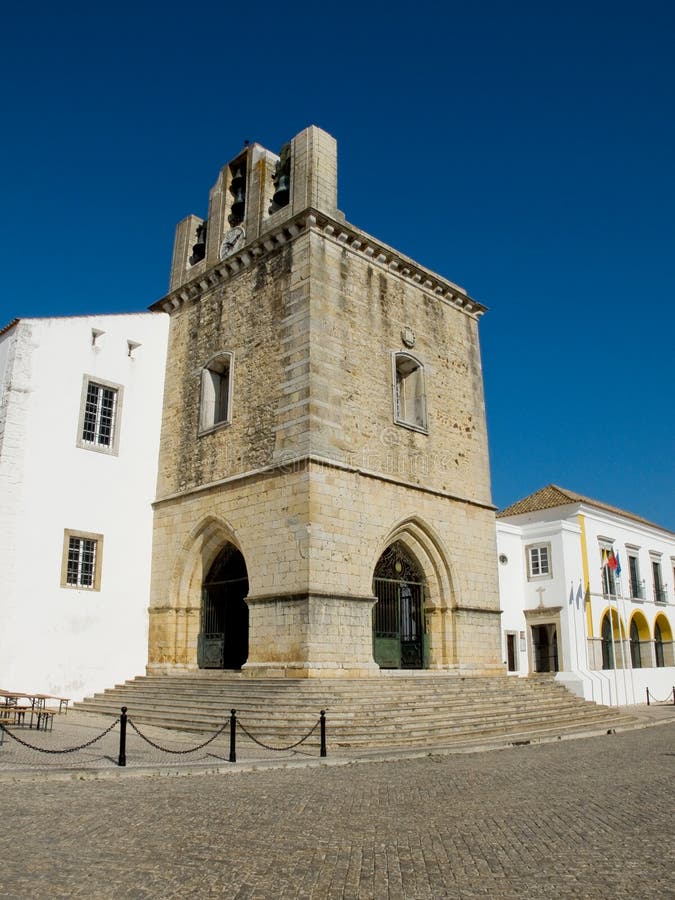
(639, 641)
(612, 632)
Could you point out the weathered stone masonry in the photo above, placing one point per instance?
(312, 479)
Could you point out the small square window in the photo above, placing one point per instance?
(539, 561)
(81, 561)
(216, 393)
(98, 427)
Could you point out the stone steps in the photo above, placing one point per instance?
(370, 713)
(182, 706)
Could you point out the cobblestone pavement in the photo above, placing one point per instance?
(588, 818)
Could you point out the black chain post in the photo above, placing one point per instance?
(123, 738)
(674, 695)
(323, 733)
(647, 696)
(233, 736)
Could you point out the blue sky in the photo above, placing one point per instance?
(523, 150)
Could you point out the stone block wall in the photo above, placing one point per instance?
(313, 478)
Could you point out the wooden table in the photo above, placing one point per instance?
(38, 708)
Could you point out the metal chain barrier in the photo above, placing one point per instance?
(280, 749)
(67, 749)
(178, 752)
(124, 719)
(670, 699)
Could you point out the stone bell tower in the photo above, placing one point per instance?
(323, 421)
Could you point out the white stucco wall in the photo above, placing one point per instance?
(563, 594)
(56, 639)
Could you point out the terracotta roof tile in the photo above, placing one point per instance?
(552, 495)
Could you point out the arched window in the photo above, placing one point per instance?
(410, 402)
(216, 392)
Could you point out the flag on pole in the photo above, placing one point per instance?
(603, 561)
(618, 565)
(612, 561)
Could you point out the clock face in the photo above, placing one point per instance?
(232, 241)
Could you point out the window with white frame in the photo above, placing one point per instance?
(98, 427)
(81, 562)
(659, 589)
(608, 567)
(538, 561)
(636, 587)
(410, 402)
(216, 392)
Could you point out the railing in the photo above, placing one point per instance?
(652, 699)
(126, 722)
(660, 595)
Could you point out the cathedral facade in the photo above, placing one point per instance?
(323, 504)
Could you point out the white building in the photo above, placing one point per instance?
(587, 591)
(80, 409)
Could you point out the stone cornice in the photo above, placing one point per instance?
(478, 609)
(542, 612)
(340, 233)
(300, 462)
(309, 594)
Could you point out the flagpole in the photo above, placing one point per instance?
(622, 643)
(614, 660)
(630, 654)
(575, 619)
(611, 625)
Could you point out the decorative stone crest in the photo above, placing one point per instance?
(408, 337)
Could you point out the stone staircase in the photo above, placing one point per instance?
(391, 711)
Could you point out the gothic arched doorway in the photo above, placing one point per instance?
(399, 634)
(223, 633)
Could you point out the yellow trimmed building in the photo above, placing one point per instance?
(588, 593)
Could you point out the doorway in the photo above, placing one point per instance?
(399, 632)
(545, 646)
(223, 633)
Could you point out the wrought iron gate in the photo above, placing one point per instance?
(223, 632)
(399, 626)
(222, 625)
(399, 639)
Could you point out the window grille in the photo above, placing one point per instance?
(81, 569)
(608, 582)
(99, 415)
(636, 589)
